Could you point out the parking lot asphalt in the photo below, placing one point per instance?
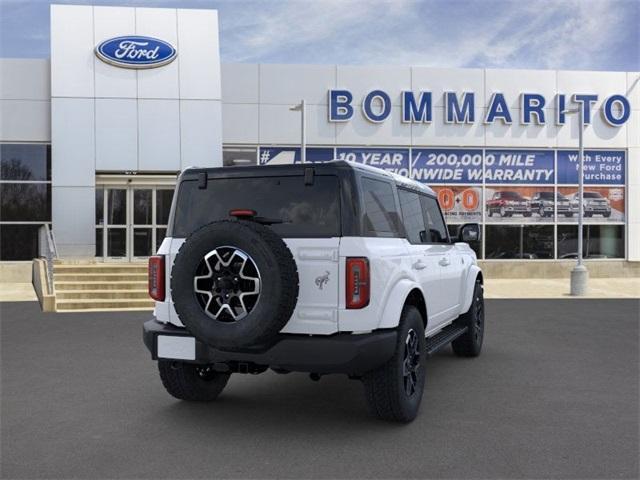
(554, 394)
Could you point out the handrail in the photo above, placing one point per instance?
(47, 249)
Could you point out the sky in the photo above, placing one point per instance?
(534, 34)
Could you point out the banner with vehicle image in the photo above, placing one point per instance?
(601, 204)
(520, 204)
(460, 204)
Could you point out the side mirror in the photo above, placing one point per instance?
(469, 232)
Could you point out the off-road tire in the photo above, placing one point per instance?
(187, 381)
(279, 284)
(384, 387)
(469, 344)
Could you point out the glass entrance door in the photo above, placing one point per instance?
(131, 221)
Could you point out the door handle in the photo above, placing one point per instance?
(419, 265)
(444, 261)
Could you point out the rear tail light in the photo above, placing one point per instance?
(156, 277)
(358, 286)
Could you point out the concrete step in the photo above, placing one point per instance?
(100, 268)
(95, 277)
(103, 304)
(102, 294)
(100, 285)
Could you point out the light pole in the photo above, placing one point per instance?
(580, 274)
(303, 129)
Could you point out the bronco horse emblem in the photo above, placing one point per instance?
(322, 280)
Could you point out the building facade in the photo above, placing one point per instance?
(93, 149)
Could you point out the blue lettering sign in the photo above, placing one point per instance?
(385, 106)
(454, 112)
(439, 165)
(561, 101)
(601, 167)
(532, 105)
(419, 112)
(498, 109)
(340, 109)
(613, 119)
(135, 51)
(518, 166)
(389, 159)
(585, 101)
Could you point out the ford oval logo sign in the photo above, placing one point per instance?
(134, 51)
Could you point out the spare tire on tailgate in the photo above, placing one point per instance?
(234, 284)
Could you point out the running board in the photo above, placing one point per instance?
(443, 338)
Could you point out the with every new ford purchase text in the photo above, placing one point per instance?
(327, 268)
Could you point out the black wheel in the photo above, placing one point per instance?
(187, 381)
(527, 214)
(234, 284)
(503, 212)
(606, 214)
(470, 343)
(489, 212)
(394, 391)
(568, 215)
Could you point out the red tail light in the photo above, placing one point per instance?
(358, 286)
(156, 278)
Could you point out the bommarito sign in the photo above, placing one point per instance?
(460, 108)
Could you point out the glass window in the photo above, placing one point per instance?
(160, 234)
(142, 206)
(412, 216)
(380, 214)
(437, 231)
(163, 206)
(598, 241)
(116, 242)
(25, 162)
(519, 241)
(18, 242)
(298, 210)
(99, 242)
(239, 156)
(142, 242)
(99, 206)
(117, 206)
(25, 202)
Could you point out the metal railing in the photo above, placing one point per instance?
(48, 250)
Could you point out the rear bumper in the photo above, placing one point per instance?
(339, 353)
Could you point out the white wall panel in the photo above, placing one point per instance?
(633, 170)
(514, 82)
(73, 142)
(72, 54)
(201, 136)
(240, 83)
(440, 80)
(597, 135)
(288, 84)
(361, 80)
(519, 135)
(360, 131)
(199, 54)
(116, 134)
(111, 81)
(439, 133)
(158, 135)
(73, 216)
(319, 130)
(603, 84)
(240, 123)
(279, 125)
(633, 89)
(24, 79)
(159, 82)
(25, 121)
(633, 129)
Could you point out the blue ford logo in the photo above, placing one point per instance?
(134, 51)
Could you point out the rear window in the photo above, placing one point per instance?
(304, 210)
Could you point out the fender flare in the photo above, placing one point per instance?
(469, 284)
(395, 302)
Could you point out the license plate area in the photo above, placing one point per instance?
(176, 348)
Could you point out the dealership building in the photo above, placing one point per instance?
(91, 146)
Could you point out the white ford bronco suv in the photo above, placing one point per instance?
(320, 268)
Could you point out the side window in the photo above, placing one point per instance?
(380, 214)
(412, 216)
(435, 223)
